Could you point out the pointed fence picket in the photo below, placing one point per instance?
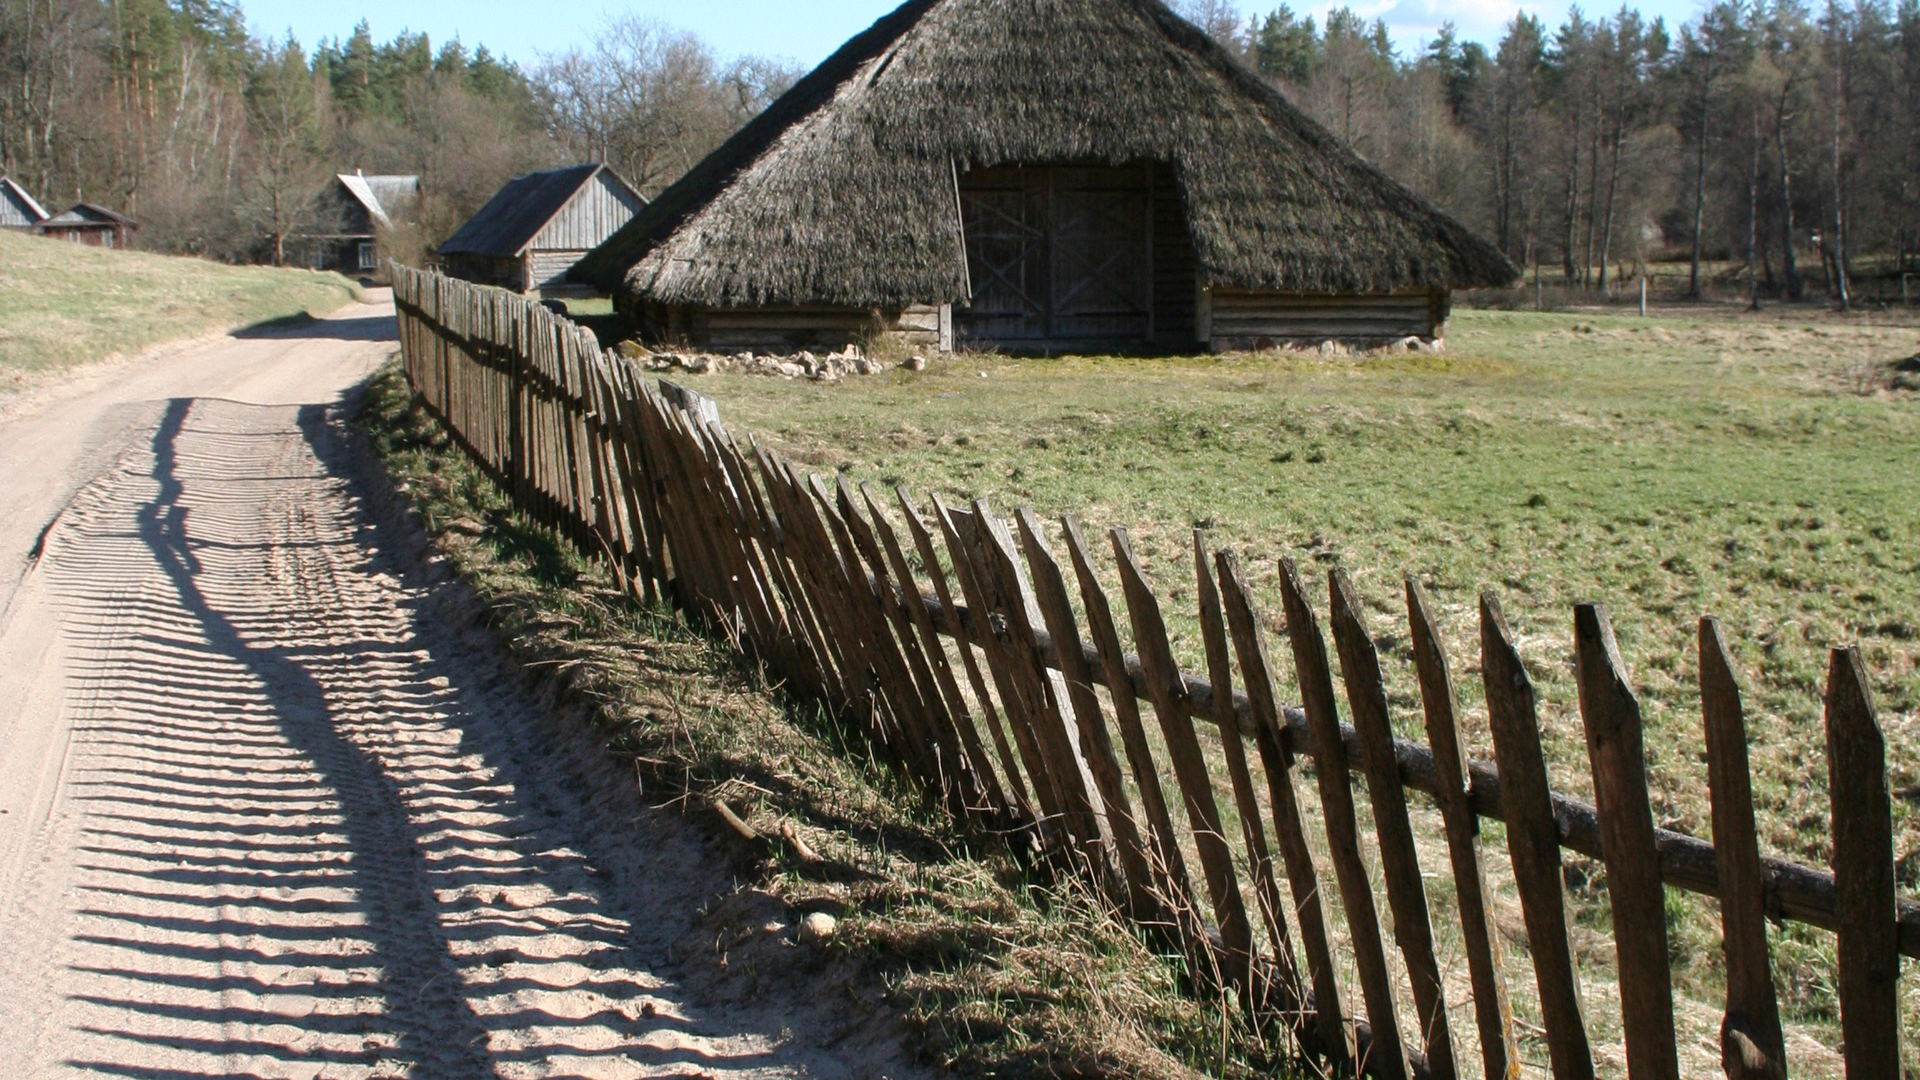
(980, 690)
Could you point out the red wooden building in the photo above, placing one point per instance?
(86, 223)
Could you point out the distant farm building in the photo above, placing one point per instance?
(352, 211)
(18, 210)
(1041, 175)
(87, 223)
(538, 226)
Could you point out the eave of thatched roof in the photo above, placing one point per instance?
(843, 192)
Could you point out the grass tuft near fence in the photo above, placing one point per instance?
(823, 582)
(998, 973)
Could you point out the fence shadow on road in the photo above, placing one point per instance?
(311, 837)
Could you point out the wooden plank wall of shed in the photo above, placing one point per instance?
(1056, 252)
(12, 216)
(548, 269)
(595, 212)
(482, 269)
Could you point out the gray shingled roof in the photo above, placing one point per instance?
(89, 214)
(379, 194)
(517, 212)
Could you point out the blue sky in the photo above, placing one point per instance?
(803, 30)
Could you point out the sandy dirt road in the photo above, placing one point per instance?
(268, 808)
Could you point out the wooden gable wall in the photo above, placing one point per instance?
(595, 212)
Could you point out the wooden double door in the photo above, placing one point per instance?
(1058, 255)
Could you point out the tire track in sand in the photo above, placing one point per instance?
(307, 830)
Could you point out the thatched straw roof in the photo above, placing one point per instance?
(843, 191)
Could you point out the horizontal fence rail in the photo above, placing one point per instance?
(952, 634)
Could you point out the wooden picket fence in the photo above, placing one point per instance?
(951, 635)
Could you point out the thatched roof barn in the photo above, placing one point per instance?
(18, 210)
(1041, 174)
(539, 225)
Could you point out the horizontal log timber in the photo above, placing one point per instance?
(1797, 892)
(1304, 329)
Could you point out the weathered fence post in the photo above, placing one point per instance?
(1385, 1055)
(1751, 1044)
(1533, 842)
(1869, 950)
(1480, 937)
(1612, 720)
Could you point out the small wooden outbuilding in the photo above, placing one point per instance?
(533, 230)
(1041, 175)
(348, 218)
(18, 210)
(90, 224)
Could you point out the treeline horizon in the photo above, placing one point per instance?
(1776, 141)
(222, 143)
(1772, 147)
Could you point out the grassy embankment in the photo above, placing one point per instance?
(63, 304)
(1758, 468)
(999, 976)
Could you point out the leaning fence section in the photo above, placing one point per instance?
(953, 635)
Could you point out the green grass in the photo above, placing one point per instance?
(997, 974)
(63, 304)
(1754, 467)
(589, 306)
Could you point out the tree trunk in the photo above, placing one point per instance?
(1839, 217)
(1572, 208)
(1753, 216)
(1503, 180)
(1795, 290)
(1699, 201)
(1593, 194)
(279, 229)
(1613, 187)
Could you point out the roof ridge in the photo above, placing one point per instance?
(509, 221)
(699, 185)
(840, 193)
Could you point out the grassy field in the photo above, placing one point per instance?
(63, 304)
(1760, 468)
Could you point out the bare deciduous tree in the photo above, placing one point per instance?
(650, 100)
(286, 109)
